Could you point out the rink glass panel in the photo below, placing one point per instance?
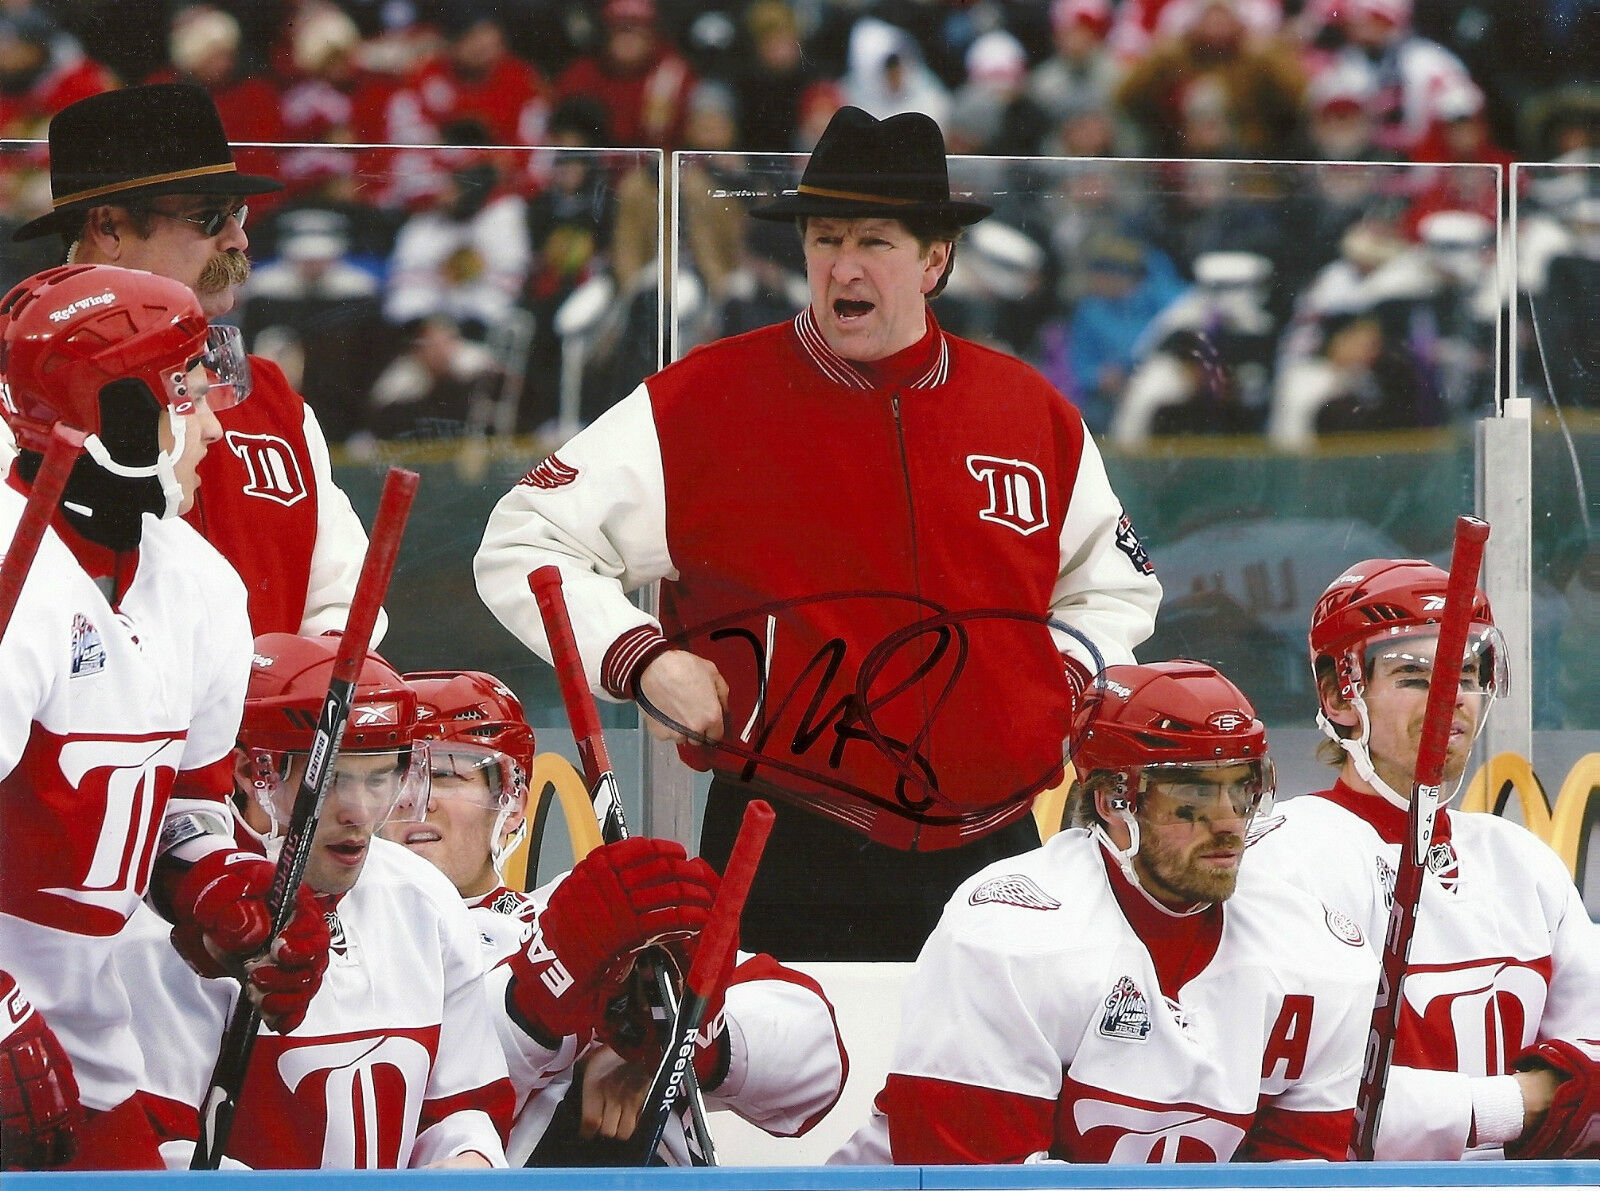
(1556, 366)
(541, 332)
(1282, 363)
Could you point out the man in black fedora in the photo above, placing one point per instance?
(143, 177)
(860, 523)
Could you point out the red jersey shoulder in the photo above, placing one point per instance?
(727, 366)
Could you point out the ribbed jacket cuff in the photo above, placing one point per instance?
(628, 656)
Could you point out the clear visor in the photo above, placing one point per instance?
(1223, 790)
(369, 788)
(466, 773)
(1407, 658)
(227, 368)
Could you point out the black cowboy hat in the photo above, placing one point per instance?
(868, 168)
(138, 142)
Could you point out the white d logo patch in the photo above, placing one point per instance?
(1016, 493)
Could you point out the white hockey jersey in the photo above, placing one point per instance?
(786, 1060)
(1058, 1010)
(388, 1070)
(1504, 954)
(112, 716)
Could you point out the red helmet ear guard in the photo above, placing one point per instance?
(289, 681)
(68, 332)
(1378, 597)
(474, 708)
(1165, 713)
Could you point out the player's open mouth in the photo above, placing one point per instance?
(349, 851)
(420, 835)
(846, 309)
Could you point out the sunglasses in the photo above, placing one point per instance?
(209, 222)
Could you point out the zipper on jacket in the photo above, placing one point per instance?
(911, 520)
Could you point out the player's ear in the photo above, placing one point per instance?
(1335, 706)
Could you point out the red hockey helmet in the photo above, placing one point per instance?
(289, 678)
(68, 332)
(467, 713)
(1383, 599)
(1158, 721)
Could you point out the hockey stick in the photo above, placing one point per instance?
(43, 497)
(227, 1077)
(718, 940)
(1443, 686)
(584, 717)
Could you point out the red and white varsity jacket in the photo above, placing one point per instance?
(268, 503)
(868, 557)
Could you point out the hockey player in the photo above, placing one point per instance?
(388, 1069)
(120, 686)
(1130, 992)
(143, 177)
(1499, 1037)
(773, 1054)
(769, 478)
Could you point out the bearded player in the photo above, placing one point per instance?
(388, 1068)
(771, 1051)
(1124, 994)
(1499, 1036)
(120, 686)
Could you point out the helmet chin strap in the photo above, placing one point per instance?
(1355, 747)
(504, 844)
(164, 469)
(1124, 855)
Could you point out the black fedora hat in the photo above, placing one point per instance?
(137, 142)
(868, 168)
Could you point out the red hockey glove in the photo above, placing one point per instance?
(221, 900)
(39, 1110)
(1571, 1129)
(618, 900)
(283, 986)
(636, 1028)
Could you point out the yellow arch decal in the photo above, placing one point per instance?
(1502, 777)
(554, 774)
(1050, 805)
(1579, 793)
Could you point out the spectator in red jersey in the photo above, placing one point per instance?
(42, 70)
(203, 48)
(335, 99)
(476, 78)
(642, 81)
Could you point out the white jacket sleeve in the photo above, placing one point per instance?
(786, 1061)
(1106, 588)
(340, 547)
(597, 510)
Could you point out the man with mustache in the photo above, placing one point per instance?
(1499, 1038)
(143, 178)
(1127, 993)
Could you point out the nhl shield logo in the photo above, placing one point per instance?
(1127, 1013)
(1445, 864)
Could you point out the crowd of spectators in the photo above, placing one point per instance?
(451, 286)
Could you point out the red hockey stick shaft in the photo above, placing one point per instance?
(43, 497)
(582, 714)
(1455, 620)
(238, 1041)
(718, 941)
(604, 794)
